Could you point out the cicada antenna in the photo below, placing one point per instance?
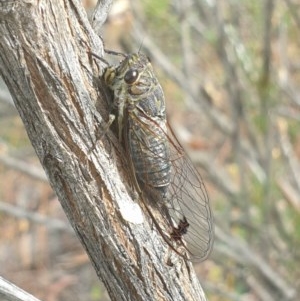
(141, 46)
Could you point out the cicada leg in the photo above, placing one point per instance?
(105, 128)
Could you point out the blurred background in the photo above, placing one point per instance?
(230, 73)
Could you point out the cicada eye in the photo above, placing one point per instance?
(131, 76)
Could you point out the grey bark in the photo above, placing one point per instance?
(45, 62)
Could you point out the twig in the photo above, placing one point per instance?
(289, 153)
(26, 168)
(50, 223)
(10, 292)
(290, 193)
(259, 288)
(100, 14)
(248, 255)
(293, 10)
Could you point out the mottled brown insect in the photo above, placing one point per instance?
(161, 167)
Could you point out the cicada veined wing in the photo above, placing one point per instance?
(188, 203)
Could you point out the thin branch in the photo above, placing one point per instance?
(267, 39)
(100, 14)
(10, 292)
(244, 254)
(294, 8)
(291, 194)
(24, 167)
(288, 153)
(50, 223)
(259, 288)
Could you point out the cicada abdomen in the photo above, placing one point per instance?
(160, 165)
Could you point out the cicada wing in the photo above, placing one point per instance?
(188, 200)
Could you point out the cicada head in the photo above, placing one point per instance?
(134, 75)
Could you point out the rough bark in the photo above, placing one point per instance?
(45, 62)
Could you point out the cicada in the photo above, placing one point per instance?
(161, 168)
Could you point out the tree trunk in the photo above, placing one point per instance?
(46, 63)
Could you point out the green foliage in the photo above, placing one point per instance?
(162, 24)
(96, 293)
